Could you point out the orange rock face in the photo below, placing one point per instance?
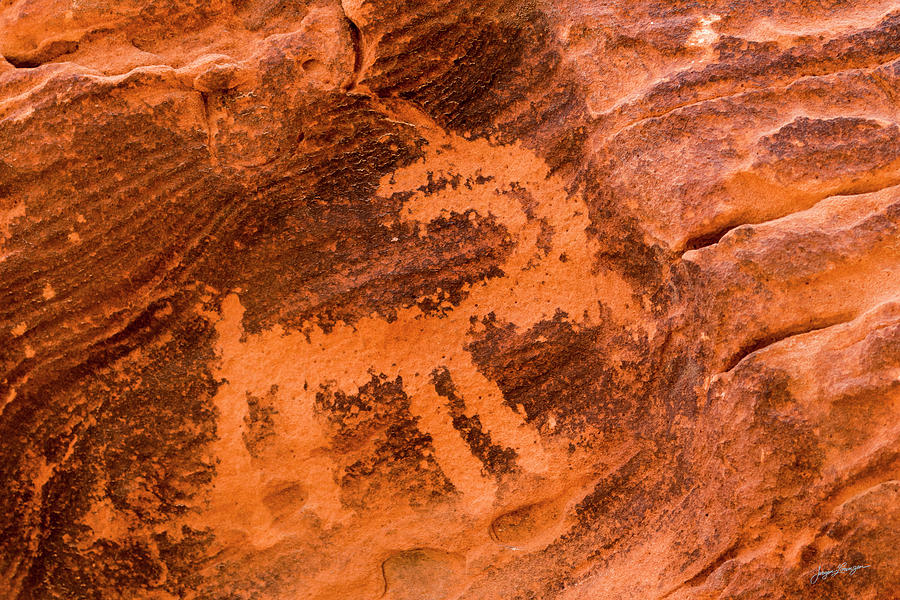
(449, 300)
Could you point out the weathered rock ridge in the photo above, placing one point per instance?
(444, 300)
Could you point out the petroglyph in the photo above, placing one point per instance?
(415, 344)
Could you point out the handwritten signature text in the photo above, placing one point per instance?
(822, 575)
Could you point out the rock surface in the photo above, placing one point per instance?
(431, 300)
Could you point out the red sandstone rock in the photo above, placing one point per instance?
(408, 300)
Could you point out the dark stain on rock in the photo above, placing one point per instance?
(542, 370)
(493, 61)
(141, 453)
(784, 441)
(259, 424)
(625, 248)
(387, 456)
(496, 460)
(319, 213)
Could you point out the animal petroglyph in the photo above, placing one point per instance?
(543, 221)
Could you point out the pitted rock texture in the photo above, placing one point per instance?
(449, 300)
